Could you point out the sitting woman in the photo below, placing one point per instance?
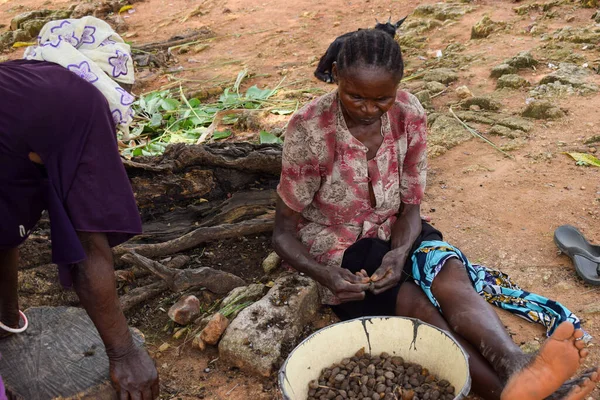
(353, 176)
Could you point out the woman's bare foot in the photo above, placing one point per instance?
(581, 391)
(557, 361)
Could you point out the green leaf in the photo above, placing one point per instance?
(221, 135)
(195, 102)
(585, 159)
(156, 120)
(282, 111)
(169, 104)
(255, 93)
(268, 137)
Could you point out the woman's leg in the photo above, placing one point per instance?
(412, 302)
(9, 299)
(470, 316)
(527, 377)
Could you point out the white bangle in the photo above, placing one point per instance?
(17, 330)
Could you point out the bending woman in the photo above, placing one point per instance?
(58, 152)
(353, 177)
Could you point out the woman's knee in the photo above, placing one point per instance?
(412, 302)
(452, 279)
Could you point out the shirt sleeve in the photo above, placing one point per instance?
(414, 169)
(300, 171)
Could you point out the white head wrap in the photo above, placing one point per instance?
(90, 48)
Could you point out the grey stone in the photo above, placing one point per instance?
(485, 27)
(442, 75)
(442, 11)
(570, 74)
(500, 130)
(256, 340)
(424, 98)
(542, 110)
(502, 69)
(574, 35)
(522, 60)
(519, 123)
(481, 117)
(34, 26)
(445, 133)
(18, 20)
(485, 103)
(434, 87)
(511, 81)
(271, 263)
(244, 294)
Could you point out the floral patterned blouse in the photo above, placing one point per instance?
(325, 176)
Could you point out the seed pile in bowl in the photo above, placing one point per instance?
(381, 377)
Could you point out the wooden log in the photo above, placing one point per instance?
(185, 174)
(216, 281)
(131, 274)
(198, 236)
(142, 294)
(61, 356)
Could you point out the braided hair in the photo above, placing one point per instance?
(371, 48)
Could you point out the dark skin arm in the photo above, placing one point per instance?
(405, 231)
(344, 284)
(131, 369)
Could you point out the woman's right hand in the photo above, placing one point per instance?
(345, 285)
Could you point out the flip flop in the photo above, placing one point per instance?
(585, 256)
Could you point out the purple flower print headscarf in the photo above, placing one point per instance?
(91, 49)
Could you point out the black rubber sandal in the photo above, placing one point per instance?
(585, 256)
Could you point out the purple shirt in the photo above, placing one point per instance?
(51, 111)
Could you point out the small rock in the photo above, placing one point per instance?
(271, 263)
(485, 103)
(186, 309)
(434, 87)
(198, 343)
(252, 326)
(502, 69)
(445, 133)
(500, 130)
(463, 92)
(213, 331)
(244, 294)
(164, 347)
(517, 123)
(522, 60)
(442, 75)
(542, 110)
(424, 98)
(511, 81)
(484, 27)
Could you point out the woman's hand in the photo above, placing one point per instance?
(390, 272)
(345, 285)
(134, 375)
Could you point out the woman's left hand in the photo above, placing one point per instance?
(389, 273)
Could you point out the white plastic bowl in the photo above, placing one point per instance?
(409, 338)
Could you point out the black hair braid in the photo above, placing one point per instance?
(371, 48)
